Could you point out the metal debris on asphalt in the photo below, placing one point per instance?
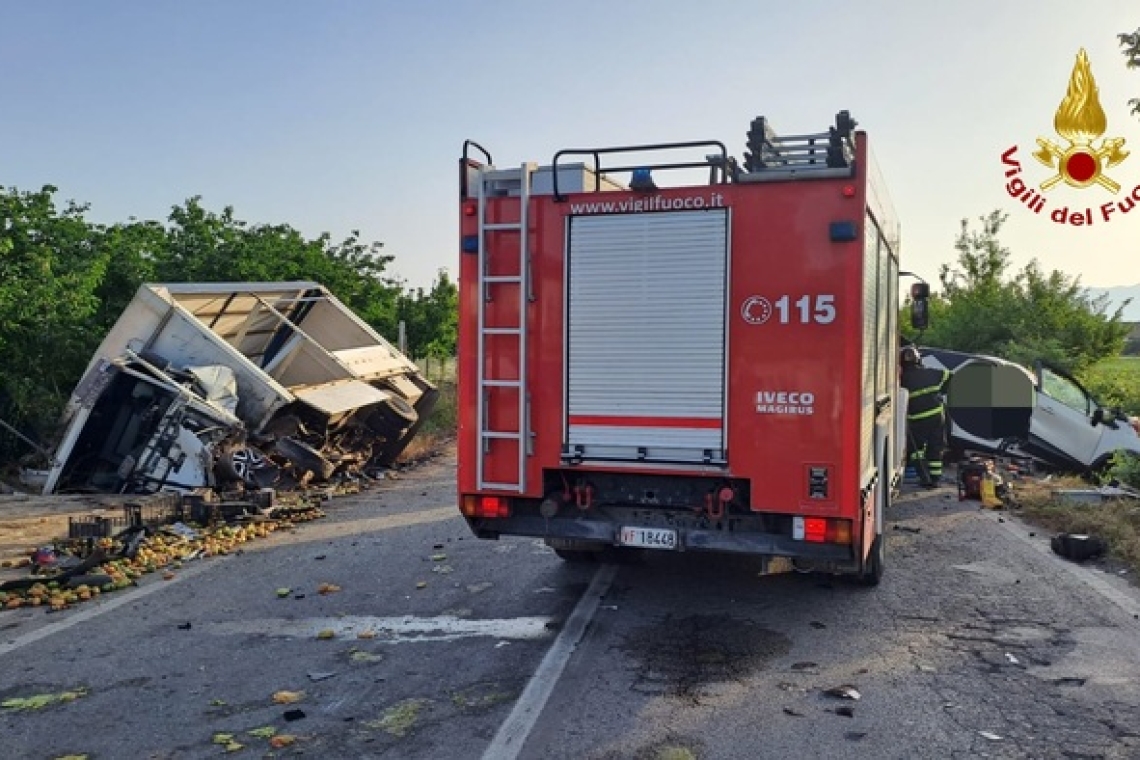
(843, 692)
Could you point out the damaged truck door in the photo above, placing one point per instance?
(230, 384)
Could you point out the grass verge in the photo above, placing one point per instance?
(438, 430)
(1117, 522)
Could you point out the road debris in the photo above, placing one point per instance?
(321, 676)
(287, 697)
(401, 718)
(843, 692)
(263, 733)
(40, 701)
(87, 564)
(990, 735)
(1078, 547)
(293, 715)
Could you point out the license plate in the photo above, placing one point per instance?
(648, 538)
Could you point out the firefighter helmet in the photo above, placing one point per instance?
(910, 356)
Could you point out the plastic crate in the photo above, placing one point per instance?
(148, 515)
(95, 526)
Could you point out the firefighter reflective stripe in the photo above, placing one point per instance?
(942, 378)
(924, 384)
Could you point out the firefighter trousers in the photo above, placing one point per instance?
(926, 444)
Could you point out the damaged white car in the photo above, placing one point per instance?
(258, 384)
(998, 407)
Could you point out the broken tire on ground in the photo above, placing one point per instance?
(304, 458)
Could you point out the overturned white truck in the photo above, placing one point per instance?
(254, 384)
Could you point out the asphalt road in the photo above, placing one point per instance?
(978, 643)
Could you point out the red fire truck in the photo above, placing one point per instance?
(708, 366)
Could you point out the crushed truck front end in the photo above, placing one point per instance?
(706, 367)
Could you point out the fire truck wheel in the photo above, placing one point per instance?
(876, 559)
(577, 556)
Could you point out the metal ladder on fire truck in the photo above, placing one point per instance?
(499, 183)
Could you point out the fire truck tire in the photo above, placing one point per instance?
(873, 573)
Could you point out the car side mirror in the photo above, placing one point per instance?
(1098, 417)
(919, 305)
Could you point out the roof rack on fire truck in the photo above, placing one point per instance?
(722, 167)
(770, 156)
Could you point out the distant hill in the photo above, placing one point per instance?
(1118, 295)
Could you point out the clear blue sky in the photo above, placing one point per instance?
(333, 116)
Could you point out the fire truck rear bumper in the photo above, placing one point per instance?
(584, 532)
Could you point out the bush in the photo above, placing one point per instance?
(1116, 383)
(1125, 467)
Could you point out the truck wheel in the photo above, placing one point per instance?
(577, 556)
(397, 412)
(873, 573)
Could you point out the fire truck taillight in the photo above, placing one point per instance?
(821, 530)
(469, 208)
(848, 191)
(485, 506)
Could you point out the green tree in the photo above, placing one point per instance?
(1130, 41)
(1028, 315)
(51, 264)
(431, 319)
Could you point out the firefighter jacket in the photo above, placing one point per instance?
(926, 386)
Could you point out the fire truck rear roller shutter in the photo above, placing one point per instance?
(645, 374)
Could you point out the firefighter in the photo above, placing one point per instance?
(925, 415)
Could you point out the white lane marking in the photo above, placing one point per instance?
(106, 604)
(1125, 601)
(512, 735)
(390, 630)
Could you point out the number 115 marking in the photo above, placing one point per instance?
(823, 312)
